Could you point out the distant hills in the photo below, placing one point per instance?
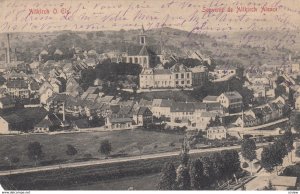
(231, 48)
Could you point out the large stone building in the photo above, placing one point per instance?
(178, 76)
(157, 78)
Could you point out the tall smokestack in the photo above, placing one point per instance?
(8, 50)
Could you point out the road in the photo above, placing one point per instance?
(114, 160)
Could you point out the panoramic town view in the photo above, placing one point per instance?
(150, 108)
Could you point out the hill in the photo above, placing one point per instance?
(231, 48)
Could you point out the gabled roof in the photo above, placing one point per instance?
(198, 69)
(209, 114)
(217, 128)
(91, 97)
(45, 123)
(200, 106)
(147, 71)
(142, 110)
(93, 90)
(142, 50)
(232, 95)
(182, 107)
(210, 98)
(81, 123)
(58, 52)
(7, 100)
(2, 90)
(120, 120)
(161, 71)
(144, 102)
(126, 103)
(20, 84)
(214, 106)
(248, 118)
(44, 52)
(106, 99)
(12, 118)
(162, 103)
(179, 68)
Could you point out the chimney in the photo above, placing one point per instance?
(8, 50)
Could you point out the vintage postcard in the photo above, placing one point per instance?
(150, 95)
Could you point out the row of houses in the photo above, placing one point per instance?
(263, 114)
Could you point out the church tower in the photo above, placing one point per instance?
(142, 36)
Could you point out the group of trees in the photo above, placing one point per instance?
(111, 74)
(248, 150)
(272, 155)
(35, 151)
(200, 173)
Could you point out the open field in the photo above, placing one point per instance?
(54, 146)
(95, 176)
(143, 182)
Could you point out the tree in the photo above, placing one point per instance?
(35, 151)
(167, 177)
(273, 155)
(248, 150)
(267, 159)
(183, 178)
(184, 158)
(280, 80)
(247, 95)
(105, 147)
(217, 165)
(280, 148)
(280, 90)
(71, 150)
(185, 148)
(207, 172)
(196, 174)
(269, 187)
(288, 139)
(231, 162)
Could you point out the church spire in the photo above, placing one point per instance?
(142, 36)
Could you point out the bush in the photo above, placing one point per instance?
(35, 151)
(15, 159)
(71, 150)
(87, 155)
(105, 147)
(172, 144)
(245, 165)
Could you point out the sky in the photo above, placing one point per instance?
(190, 15)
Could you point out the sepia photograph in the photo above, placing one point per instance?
(118, 95)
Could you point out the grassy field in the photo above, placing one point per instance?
(141, 174)
(143, 182)
(54, 146)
